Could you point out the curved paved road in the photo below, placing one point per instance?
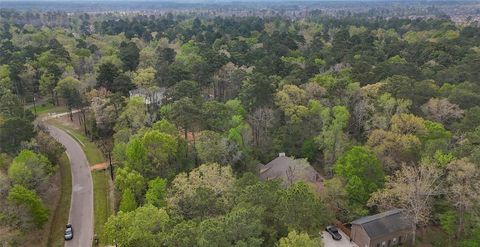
(81, 205)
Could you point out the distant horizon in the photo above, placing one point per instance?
(232, 1)
(234, 6)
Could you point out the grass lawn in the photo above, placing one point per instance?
(46, 108)
(94, 155)
(60, 216)
(102, 208)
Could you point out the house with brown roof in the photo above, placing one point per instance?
(290, 170)
(390, 228)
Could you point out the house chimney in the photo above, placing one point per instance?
(281, 155)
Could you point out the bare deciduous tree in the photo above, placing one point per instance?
(411, 188)
(261, 120)
(227, 81)
(290, 173)
(462, 188)
(441, 110)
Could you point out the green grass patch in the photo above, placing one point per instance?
(94, 155)
(101, 201)
(46, 108)
(60, 216)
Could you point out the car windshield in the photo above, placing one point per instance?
(68, 231)
(333, 229)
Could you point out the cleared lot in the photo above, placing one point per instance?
(328, 241)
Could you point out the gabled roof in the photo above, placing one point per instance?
(385, 223)
(298, 169)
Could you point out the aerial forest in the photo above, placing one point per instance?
(185, 107)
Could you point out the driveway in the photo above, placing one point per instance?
(81, 204)
(328, 241)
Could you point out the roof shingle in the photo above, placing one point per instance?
(300, 170)
(385, 223)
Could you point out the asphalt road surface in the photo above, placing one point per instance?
(81, 204)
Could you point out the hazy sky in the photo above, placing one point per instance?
(209, 1)
(224, 1)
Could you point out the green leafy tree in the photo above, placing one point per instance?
(403, 142)
(136, 156)
(211, 233)
(49, 147)
(160, 149)
(30, 169)
(332, 139)
(243, 226)
(215, 116)
(157, 192)
(189, 55)
(167, 54)
(121, 84)
(47, 84)
(128, 202)
(419, 92)
(166, 127)
(211, 147)
(240, 227)
(22, 196)
(257, 91)
(471, 119)
(144, 77)
(28, 81)
(68, 89)
(185, 88)
(186, 114)
(295, 239)
(362, 172)
(336, 199)
(133, 117)
(472, 240)
(107, 73)
(143, 226)
(15, 122)
(130, 180)
(435, 138)
(129, 54)
(190, 194)
(5, 81)
(299, 208)
(291, 100)
(183, 234)
(263, 195)
(448, 222)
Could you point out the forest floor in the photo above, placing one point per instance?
(432, 236)
(102, 187)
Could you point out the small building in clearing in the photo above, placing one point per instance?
(390, 228)
(290, 170)
(150, 96)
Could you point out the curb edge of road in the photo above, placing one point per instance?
(51, 127)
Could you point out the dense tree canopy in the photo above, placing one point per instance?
(187, 105)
